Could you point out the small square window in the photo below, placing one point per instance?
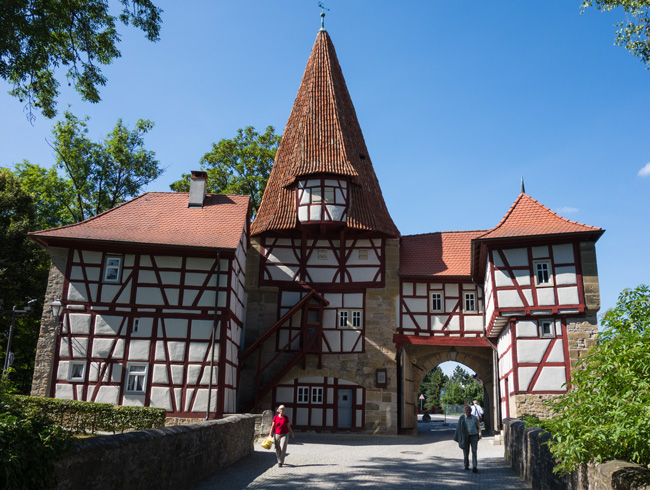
(350, 318)
(317, 394)
(303, 394)
(136, 378)
(436, 302)
(470, 302)
(363, 254)
(543, 275)
(546, 328)
(112, 268)
(77, 371)
(322, 254)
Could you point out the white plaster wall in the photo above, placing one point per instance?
(551, 379)
(516, 257)
(563, 254)
(531, 351)
(509, 299)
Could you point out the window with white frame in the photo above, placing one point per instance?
(317, 394)
(350, 318)
(112, 268)
(546, 328)
(436, 302)
(77, 371)
(303, 394)
(136, 378)
(543, 275)
(470, 302)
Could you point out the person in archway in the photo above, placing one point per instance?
(477, 411)
(280, 432)
(467, 436)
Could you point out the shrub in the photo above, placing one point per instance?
(605, 414)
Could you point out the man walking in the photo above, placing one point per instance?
(467, 436)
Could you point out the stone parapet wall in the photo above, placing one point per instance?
(532, 460)
(45, 348)
(166, 458)
(582, 335)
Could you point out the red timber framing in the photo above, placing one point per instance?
(335, 338)
(401, 340)
(560, 337)
(308, 340)
(159, 314)
(334, 261)
(528, 291)
(317, 403)
(448, 317)
(322, 199)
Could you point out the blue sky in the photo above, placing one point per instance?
(457, 102)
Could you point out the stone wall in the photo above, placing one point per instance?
(47, 337)
(166, 458)
(532, 460)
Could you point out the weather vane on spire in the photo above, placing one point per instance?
(322, 15)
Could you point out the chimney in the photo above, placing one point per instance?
(197, 188)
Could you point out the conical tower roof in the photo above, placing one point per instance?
(323, 136)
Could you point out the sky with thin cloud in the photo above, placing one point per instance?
(457, 101)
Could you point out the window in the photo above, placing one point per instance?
(112, 268)
(363, 254)
(356, 319)
(136, 376)
(303, 394)
(543, 273)
(317, 394)
(329, 195)
(322, 254)
(77, 371)
(343, 319)
(136, 325)
(436, 302)
(350, 318)
(316, 195)
(470, 302)
(546, 328)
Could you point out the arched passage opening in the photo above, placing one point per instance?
(417, 360)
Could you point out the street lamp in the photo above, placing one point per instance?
(9, 357)
(57, 308)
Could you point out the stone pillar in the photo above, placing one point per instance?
(46, 347)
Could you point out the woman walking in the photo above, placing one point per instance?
(280, 432)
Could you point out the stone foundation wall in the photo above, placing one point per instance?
(532, 460)
(529, 404)
(46, 345)
(166, 458)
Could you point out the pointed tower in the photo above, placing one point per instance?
(322, 172)
(322, 276)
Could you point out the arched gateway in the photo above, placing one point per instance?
(170, 300)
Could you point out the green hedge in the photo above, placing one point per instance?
(89, 417)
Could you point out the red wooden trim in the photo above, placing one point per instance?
(440, 340)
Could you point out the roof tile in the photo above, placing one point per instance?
(446, 253)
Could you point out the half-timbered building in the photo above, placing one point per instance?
(325, 308)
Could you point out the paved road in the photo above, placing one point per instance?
(430, 460)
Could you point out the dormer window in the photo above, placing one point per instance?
(322, 200)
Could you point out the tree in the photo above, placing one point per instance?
(462, 387)
(37, 37)
(240, 165)
(604, 416)
(431, 386)
(23, 275)
(98, 176)
(634, 32)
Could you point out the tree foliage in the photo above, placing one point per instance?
(431, 386)
(604, 416)
(98, 176)
(240, 165)
(634, 31)
(23, 275)
(38, 36)
(461, 387)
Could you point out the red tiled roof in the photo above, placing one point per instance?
(527, 217)
(162, 218)
(446, 253)
(323, 136)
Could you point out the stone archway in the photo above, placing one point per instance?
(417, 360)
